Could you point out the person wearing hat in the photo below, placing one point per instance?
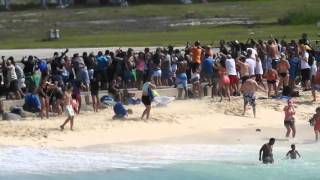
(305, 67)
(289, 119)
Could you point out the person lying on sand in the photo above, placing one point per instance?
(266, 150)
(120, 111)
(248, 89)
(293, 152)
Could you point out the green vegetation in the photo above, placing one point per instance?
(113, 26)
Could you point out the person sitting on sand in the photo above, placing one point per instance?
(289, 119)
(248, 89)
(68, 107)
(266, 150)
(272, 77)
(293, 152)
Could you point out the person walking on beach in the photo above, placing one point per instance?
(248, 89)
(147, 97)
(293, 152)
(69, 108)
(266, 151)
(316, 123)
(289, 112)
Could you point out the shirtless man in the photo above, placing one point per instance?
(181, 79)
(248, 89)
(266, 150)
(244, 68)
(293, 152)
(272, 53)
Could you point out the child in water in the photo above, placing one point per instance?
(293, 152)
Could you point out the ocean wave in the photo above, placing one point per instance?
(44, 161)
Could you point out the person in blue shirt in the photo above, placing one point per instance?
(32, 103)
(293, 71)
(119, 110)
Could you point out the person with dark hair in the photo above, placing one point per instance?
(293, 152)
(266, 151)
(94, 88)
(12, 78)
(147, 97)
(197, 52)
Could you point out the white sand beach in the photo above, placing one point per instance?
(187, 121)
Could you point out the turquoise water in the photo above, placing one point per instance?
(129, 162)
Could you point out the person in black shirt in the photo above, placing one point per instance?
(94, 88)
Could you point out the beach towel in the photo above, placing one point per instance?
(163, 100)
(107, 100)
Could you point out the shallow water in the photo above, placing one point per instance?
(156, 162)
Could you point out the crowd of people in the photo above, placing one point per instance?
(232, 69)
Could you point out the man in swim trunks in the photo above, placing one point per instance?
(248, 89)
(244, 68)
(266, 150)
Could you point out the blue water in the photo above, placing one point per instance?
(157, 162)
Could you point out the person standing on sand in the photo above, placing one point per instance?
(266, 150)
(289, 112)
(248, 89)
(147, 97)
(244, 68)
(69, 108)
(182, 79)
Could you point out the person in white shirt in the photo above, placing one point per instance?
(305, 67)
(11, 77)
(252, 64)
(259, 72)
(232, 73)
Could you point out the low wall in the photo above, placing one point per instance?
(163, 92)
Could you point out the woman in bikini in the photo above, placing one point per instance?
(224, 81)
(272, 77)
(289, 113)
(283, 71)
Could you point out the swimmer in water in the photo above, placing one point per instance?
(293, 152)
(266, 150)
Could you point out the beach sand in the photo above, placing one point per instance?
(185, 121)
